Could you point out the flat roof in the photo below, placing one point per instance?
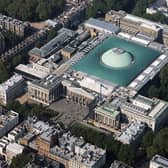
(102, 25)
(69, 49)
(119, 164)
(162, 161)
(108, 109)
(159, 108)
(11, 82)
(145, 100)
(48, 82)
(15, 148)
(53, 44)
(32, 70)
(142, 20)
(82, 92)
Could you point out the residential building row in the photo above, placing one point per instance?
(61, 146)
(8, 120)
(9, 134)
(18, 27)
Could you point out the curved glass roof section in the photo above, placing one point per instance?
(116, 58)
(92, 62)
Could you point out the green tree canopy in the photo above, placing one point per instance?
(11, 39)
(159, 88)
(20, 160)
(153, 91)
(103, 6)
(4, 72)
(159, 144)
(32, 10)
(27, 109)
(148, 139)
(126, 154)
(51, 34)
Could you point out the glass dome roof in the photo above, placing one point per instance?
(117, 58)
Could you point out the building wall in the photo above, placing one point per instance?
(80, 99)
(165, 38)
(131, 116)
(107, 120)
(44, 149)
(133, 27)
(101, 162)
(154, 123)
(43, 95)
(58, 159)
(13, 25)
(77, 164)
(43, 146)
(38, 94)
(66, 54)
(10, 94)
(149, 32)
(9, 125)
(161, 119)
(129, 26)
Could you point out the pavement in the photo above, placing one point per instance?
(38, 25)
(68, 112)
(23, 98)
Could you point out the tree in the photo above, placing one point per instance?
(140, 10)
(153, 91)
(151, 151)
(17, 60)
(148, 139)
(164, 76)
(159, 144)
(32, 10)
(102, 6)
(140, 7)
(4, 72)
(43, 10)
(51, 34)
(39, 43)
(11, 39)
(126, 154)
(27, 109)
(20, 160)
(157, 17)
(159, 86)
